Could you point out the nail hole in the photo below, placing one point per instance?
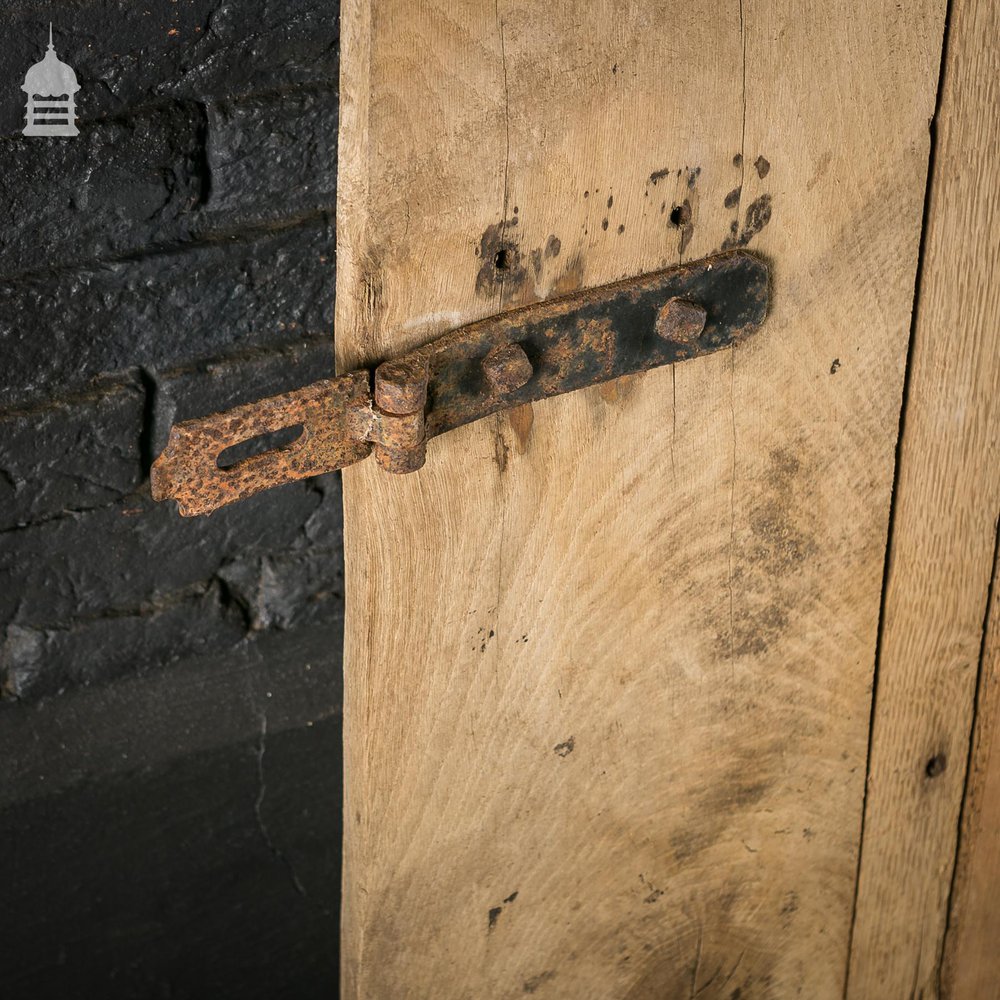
(502, 260)
(258, 445)
(680, 215)
(936, 765)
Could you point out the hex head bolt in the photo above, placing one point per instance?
(507, 368)
(680, 321)
(400, 398)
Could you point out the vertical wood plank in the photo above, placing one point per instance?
(608, 660)
(942, 545)
(971, 968)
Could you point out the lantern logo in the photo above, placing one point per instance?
(51, 88)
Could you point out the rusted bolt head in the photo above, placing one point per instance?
(507, 367)
(680, 321)
(401, 385)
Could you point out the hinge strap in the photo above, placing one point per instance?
(521, 356)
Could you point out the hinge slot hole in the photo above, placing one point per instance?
(259, 444)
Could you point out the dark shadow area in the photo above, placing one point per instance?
(170, 689)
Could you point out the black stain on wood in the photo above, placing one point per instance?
(766, 580)
(936, 765)
(494, 912)
(763, 167)
(621, 229)
(565, 748)
(536, 262)
(657, 175)
(680, 215)
(654, 894)
(758, 215)
(682, 218)
(604, 224)
(738, 160)
(611, 200)
(501, 264)
(733, 198)
(553, 246)
(834, 365)
(532, 984)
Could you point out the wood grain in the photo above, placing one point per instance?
(944, 527)
(608, 660)
(971, 967)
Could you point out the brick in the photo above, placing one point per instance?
(40, 662)
(70, 455)
(84, 598)
(271, 158)
(118, 558)
(58, 332)
(120, 186)
(167, 177)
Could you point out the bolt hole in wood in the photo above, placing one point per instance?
(936, 765)
(259, 444)
(502, 260)
(680, 215)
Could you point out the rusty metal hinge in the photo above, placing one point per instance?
(519, 357)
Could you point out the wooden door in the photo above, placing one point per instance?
(610, 658)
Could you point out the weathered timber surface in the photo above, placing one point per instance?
(941, 559)
(971, 967)
(609, 658)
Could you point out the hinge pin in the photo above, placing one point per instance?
(398, 433)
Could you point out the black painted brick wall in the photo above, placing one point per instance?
(175, 258)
